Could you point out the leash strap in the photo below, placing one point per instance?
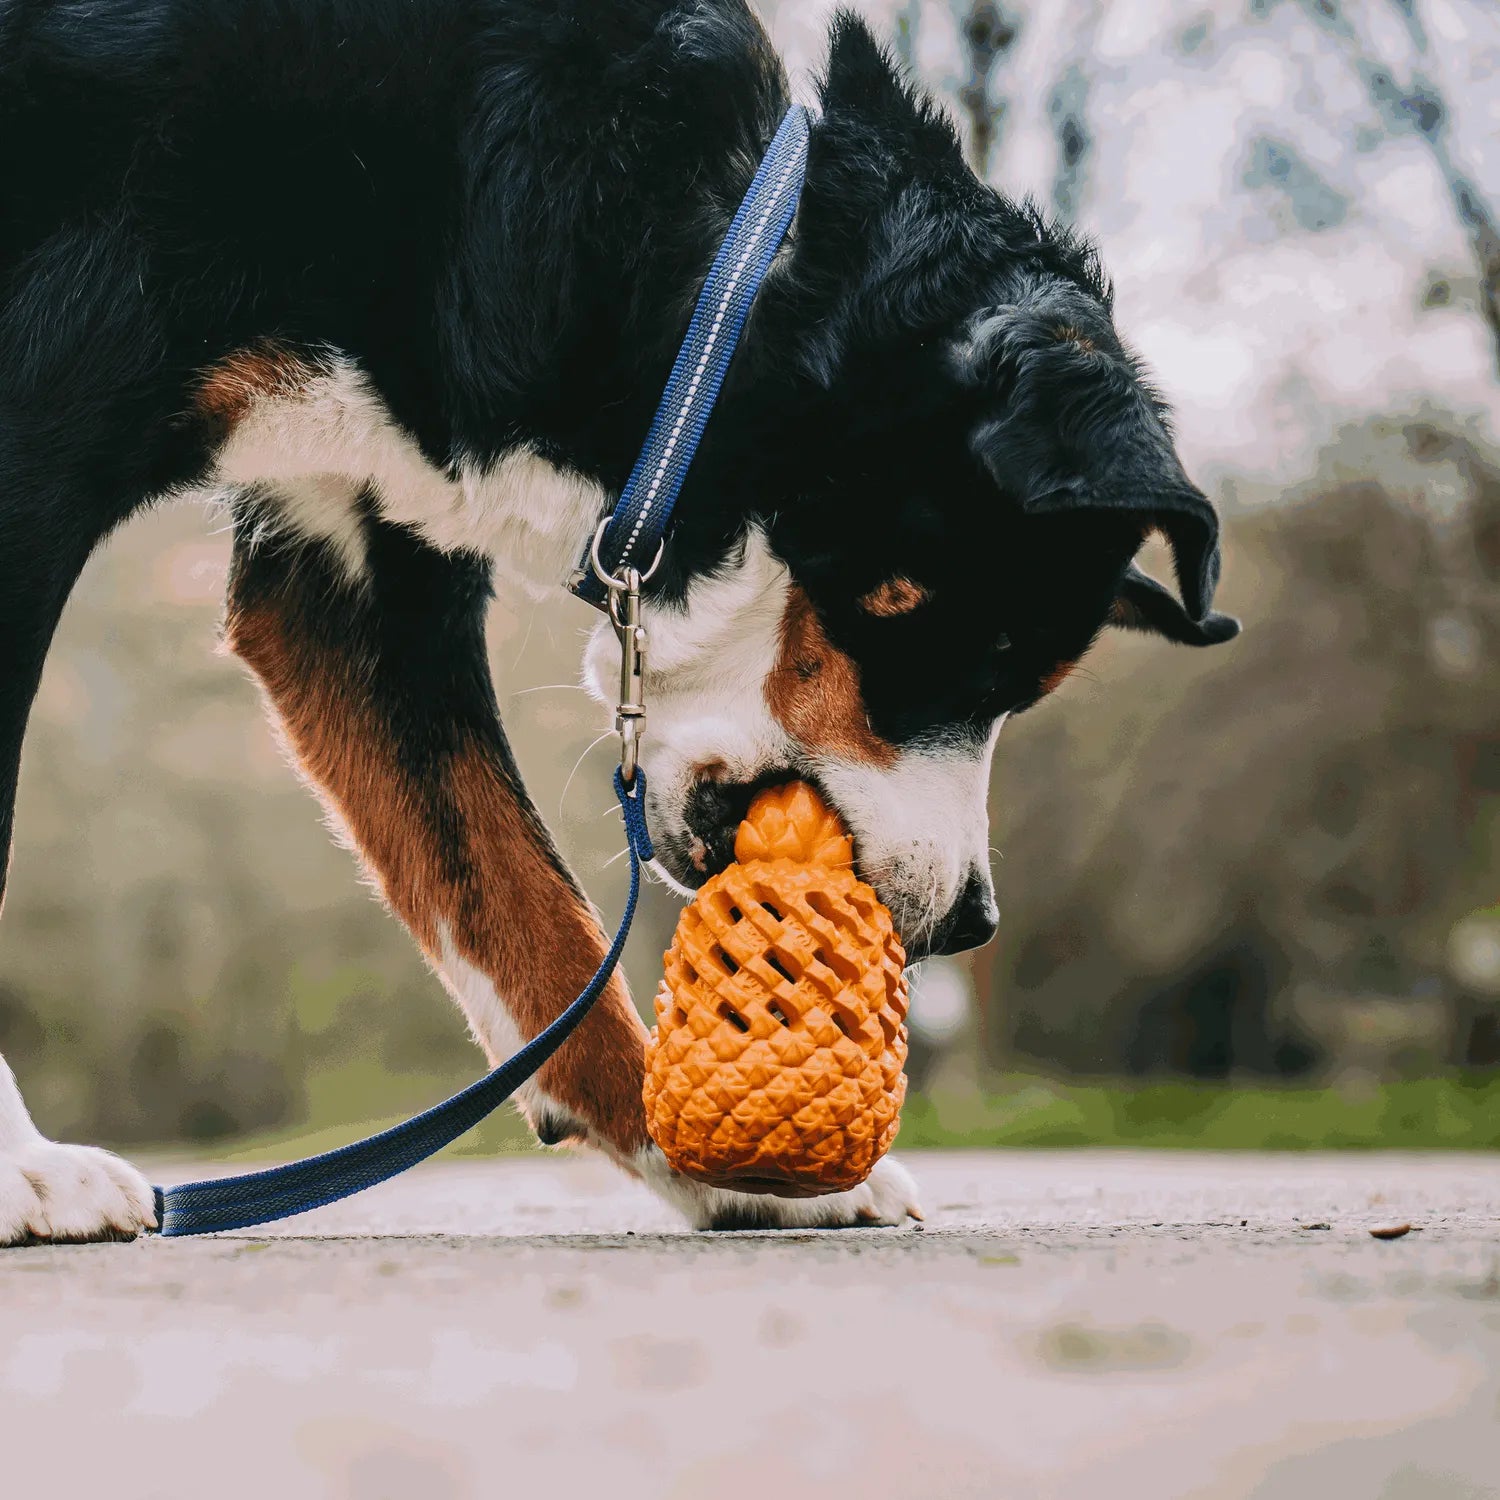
(279, 1192)
(633, 534)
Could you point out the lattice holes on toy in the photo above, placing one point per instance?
(776, 1064)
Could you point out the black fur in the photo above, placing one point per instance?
(502, 210)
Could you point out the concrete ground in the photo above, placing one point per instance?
(1067, 1326)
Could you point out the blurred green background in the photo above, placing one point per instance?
(1249, 896)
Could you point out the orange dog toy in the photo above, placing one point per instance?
(776, 1063)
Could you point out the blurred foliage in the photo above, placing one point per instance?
(1252, 860)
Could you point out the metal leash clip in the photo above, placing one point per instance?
(625, 615)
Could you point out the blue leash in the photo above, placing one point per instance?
(279, 1192)
(631, 533)
(632, 536)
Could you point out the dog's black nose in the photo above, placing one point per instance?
(971, 921)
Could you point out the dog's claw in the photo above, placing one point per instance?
(867, 1213)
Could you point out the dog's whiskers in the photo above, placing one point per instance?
(608, 734)
(530, 622)
(933, 897)
(551, 687)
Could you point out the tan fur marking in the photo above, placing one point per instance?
(513, 915)
(255, 373)
(813, 692)
(1057, 676)
(1070, 335)
(896, 596)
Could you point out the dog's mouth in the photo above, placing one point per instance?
(711, 819)
(701, 845)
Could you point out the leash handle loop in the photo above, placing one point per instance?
(279, 1192)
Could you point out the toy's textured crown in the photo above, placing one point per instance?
(793, 822)
(776, 1061)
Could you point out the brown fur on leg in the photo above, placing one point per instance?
(448, 833)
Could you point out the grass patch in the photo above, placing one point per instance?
(1453, 1113)
(1460, 1112)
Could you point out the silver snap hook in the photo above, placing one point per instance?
(616, 582)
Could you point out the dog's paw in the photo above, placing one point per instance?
(888, 1196)
(70, 1194)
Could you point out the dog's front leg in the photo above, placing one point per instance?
(377, 673)
(379, 679)
(48, 1191)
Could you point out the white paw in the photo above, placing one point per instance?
(70, 1193)
(887, 1196)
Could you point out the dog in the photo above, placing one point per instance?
(402, 281)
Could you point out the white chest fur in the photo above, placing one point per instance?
(322, 444)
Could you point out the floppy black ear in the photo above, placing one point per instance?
(1078, 429)
(1143, 604)
(1190, 526)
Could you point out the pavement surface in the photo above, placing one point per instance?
(1066, 1326)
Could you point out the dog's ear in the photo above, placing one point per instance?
(1143, 604)
(865, 85)
(887, 191)
(1077, 429)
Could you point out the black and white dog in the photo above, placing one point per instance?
(403, 279)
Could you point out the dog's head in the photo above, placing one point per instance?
(917, 509)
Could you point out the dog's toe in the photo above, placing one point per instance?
(70, 1194)
(887, 1196)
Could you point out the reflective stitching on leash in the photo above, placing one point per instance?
(703, 359)
(729, 291)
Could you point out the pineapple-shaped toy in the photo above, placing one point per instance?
(776, 1063)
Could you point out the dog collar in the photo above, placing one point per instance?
(630, 539)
